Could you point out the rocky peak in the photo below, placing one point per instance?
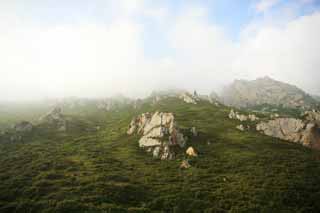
(242, 93)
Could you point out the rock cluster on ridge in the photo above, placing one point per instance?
(313, 115)
(294, 130)
(237, 116)
(159, 134)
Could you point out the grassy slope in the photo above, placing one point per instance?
(106, 171)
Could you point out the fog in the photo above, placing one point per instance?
(101, 48)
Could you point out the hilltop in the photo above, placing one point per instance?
(243, 93)
(79, 170)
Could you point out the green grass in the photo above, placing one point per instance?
(106, 171)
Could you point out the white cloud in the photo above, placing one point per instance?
(95, 59)
(68, 60)
(265, 5)
(288, 51)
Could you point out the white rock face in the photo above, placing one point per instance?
(293, 130)
(159, 134)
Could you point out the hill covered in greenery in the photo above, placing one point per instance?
(106, 171)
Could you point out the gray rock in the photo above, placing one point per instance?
(294, 130)
(240, 127)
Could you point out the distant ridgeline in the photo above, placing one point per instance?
(268, 92)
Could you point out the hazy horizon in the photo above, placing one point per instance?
(96, 49)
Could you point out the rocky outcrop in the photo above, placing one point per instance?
(191, 152)
(188, 98)
(55, 119)
(23, 127)
(159, 134)
(294, 130)
(237, 116)
(265, 91)
(313, 116)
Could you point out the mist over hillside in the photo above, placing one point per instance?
(159, 106)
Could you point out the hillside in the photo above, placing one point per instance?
(243, 93)
(106, 171)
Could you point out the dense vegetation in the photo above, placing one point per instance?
(105, 171)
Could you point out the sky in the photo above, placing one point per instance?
(98, 48)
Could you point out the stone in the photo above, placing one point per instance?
(194, 131)
(159, 134)
(240, 127)
(185, 164)
(294, 130)
(191, 152)
(188, 98)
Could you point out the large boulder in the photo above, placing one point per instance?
(185, 164)
(188, 98)
(293, 130)
(159, 134)
(191, 152)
